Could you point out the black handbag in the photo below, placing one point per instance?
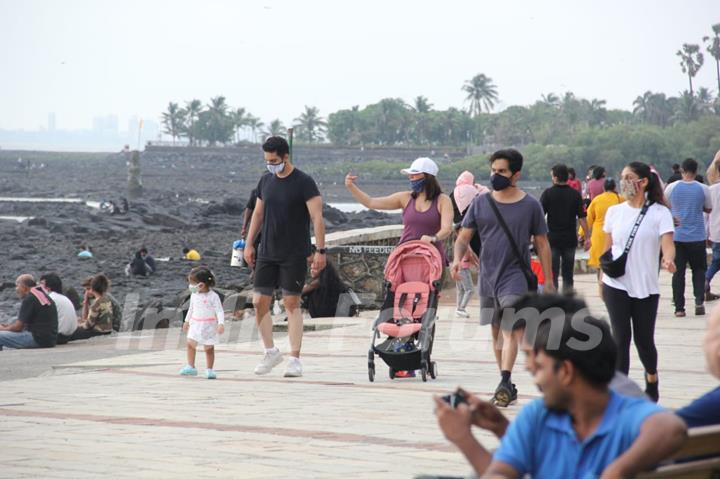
(532, 281)
(616, 267)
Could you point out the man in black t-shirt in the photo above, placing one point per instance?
(37, 323)
(287, 200)
(564, 207)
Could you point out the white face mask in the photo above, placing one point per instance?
(194, 288)
(276, 169)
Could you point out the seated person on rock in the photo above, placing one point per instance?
(321, 294)
(705, 411)
(37, 323)
(581, 427)
(98, 311)
(142, 264)
(191, 254)
(67, 316)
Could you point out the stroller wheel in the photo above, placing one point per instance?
(371, 372)
(391, 371)
(433, 370)
(423, 373)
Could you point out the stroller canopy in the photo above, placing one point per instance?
(413, 261)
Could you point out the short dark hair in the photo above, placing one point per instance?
(571, 173)
(431, 188)
(52, 282)
(513, 157)
(202, 274)
(595, 364)
(675, 167)
(100, 283)
(542, 304)
(598, 172)
(689, 165)
(143, 250)
(186, 250)
(276, 144)
(609, 184)
(560, 171)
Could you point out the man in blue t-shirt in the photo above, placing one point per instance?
(580, 428)
(688, 200)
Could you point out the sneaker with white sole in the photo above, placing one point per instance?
(293, 368)
(269, 361)
(461, 313)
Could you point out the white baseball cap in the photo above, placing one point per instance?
(421, 165)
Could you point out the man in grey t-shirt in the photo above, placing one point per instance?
(502, 276)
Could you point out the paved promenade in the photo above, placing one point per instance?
(116, 406)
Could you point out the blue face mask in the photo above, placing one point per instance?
(276, 169)
(417, 185)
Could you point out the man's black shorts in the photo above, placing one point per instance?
(288, 275)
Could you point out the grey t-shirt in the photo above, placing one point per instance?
(500, 272)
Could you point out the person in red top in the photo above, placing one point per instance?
(573, 182)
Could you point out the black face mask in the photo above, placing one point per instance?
(500, 182)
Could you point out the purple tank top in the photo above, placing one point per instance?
(417, 224)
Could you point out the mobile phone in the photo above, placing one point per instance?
(455, 399)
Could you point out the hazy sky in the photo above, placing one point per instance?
(82, 59)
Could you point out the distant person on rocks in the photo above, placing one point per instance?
(427, 212)
(288, 200)
(67, 316)
(191, 254)
(676, 175)
(142, 264)
(37, 323)
(85, 253)
(204, 322)
(98, 312)
(149, 260)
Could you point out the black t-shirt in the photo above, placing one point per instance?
(286, 219)
(253, 199)
(563, 205)
(41, 321)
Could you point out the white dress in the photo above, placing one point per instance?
(204, 315)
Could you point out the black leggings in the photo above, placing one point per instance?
(641, 314)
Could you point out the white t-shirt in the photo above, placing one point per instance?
(67, 317)
(641, 270)
(714, 217)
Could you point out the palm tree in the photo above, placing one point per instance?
(704, 100)
(422, 105)
(598, 112)
(275, 128)
(254, 124)
(641, 106)
(713, 47)
(173, 120)
(691, 59)
(551, 100)
(687, 108)
(240, 118)
(481, 92)
(311, 126)
(193, 109)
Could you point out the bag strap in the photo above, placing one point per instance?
(633, 232)
(503, 225)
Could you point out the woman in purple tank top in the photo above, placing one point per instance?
(427, 212)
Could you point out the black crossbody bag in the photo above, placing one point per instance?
(532, 281)
(616, 267)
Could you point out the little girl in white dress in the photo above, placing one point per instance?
(205, 320)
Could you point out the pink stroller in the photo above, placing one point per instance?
(407, 318)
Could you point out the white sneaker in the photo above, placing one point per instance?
(269, 361)
(294, 368)
(461, 313)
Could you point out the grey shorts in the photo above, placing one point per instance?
(491, 308)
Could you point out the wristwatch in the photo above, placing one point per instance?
(322, 250)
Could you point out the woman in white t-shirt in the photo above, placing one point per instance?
(632, 299)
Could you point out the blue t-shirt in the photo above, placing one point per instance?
(704, 411)
(543, 443)
(502, 274)
(687, 199)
